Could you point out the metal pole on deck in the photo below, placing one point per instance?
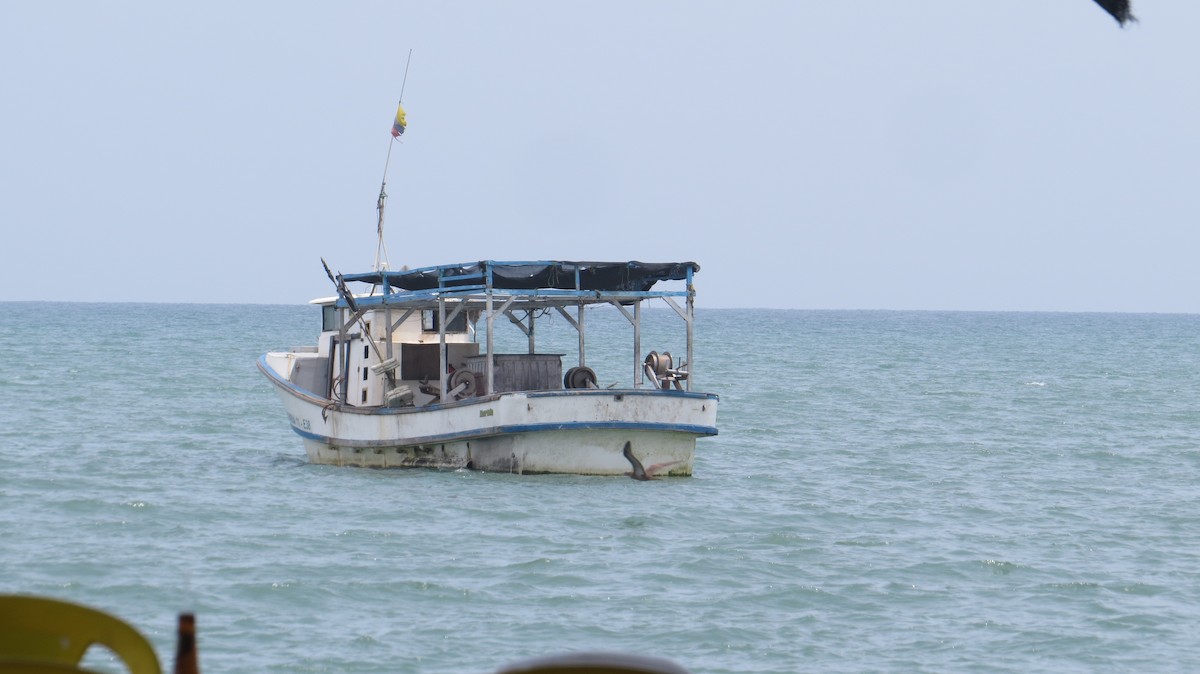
(491, 379)
(691, 319)
(532, 322)
(387, 317)
(442, 379)
(637, 344)
(381, 256)
(579, 326)
(345, 344)
(582, 331)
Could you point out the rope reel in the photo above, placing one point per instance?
(460, 378)
(580, 377)
(661, 371)
(660, 363)
(461, 383)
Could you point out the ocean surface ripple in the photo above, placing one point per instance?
(890, 492)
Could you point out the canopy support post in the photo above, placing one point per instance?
(442, 379)
(491, 323)
(637, 345)
(582, 337)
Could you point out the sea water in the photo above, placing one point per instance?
(889, 492)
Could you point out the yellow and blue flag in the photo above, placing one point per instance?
(401, 122)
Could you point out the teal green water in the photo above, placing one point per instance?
(890, 492)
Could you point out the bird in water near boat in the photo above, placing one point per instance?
(1119, 9)
(639, 472)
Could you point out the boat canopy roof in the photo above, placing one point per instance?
(617, 277)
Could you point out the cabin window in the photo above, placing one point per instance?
(429, 322)
(366, 351)
(364, 374)
(364, 396)
(329, 318)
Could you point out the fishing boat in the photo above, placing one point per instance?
(399, 376)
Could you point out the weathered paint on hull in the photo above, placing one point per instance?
(593, 453)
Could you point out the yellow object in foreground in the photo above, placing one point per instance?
(39, 634)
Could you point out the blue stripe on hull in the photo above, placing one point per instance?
(512, 430)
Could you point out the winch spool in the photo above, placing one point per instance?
(660, 363)
(580, 377)
(463, 377)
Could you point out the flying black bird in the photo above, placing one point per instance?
(1119, 10)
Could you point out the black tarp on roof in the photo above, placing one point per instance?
(603, 276)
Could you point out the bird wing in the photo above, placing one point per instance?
(654, 468)
(1119, 9)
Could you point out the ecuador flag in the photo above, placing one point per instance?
(401, 122)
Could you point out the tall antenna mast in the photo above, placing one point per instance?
(381, 256)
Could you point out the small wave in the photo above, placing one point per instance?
(19, 382)
(1001, 567)
(1076, 585)
(368, 533)
(868, 542)
(1143, 589)
(288, 461)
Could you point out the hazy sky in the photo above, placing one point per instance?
(855, 154)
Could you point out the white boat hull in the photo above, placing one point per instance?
(566, 431)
